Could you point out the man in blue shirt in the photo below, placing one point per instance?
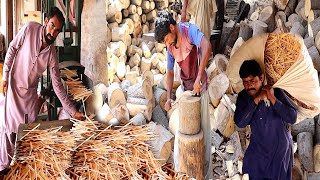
(269, 112)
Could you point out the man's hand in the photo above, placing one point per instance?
(4, 87)
(261, 96)
(167, 106)
(270, 93)
(197, 87)
(78, 115)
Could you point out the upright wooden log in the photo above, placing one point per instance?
(191, 154)
(298, 29)
(267, 16)
(290, 8)
(115, 95)
(305, 150)
(306, 125)
(259, 27)
(160, 96)
(245, 31)
(138, 120)
(316, 158)
(190, 115)
(281, 4)
(314, 54)
(161, 145)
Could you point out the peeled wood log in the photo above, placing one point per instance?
(151, 15)
(281, 4)
(145, 64)
(259, 27)
(136, 2)
(314, 54)
(115, 95)
(145, 5)
(132, 9)
(190, 115)
(139, 11)
(135, 109)
(298, 29)
(161, 144)
(160, 96)
(138, 120)
(305, 150)
(316, 158)
(134, 60)
(245, 31)
(146, 50)
(191, 155)
(135, 17)
(267, 16)
(317, 41)
(309, 42)
(306, 125)
(290, 7)
(116, 18)
(141, 90)
(159, 117)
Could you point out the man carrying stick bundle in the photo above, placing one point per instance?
(269, 113)
(187, 45)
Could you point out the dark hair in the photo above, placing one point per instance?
(162, 25)
(250, 67)
(54, 11)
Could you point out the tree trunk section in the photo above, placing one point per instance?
(306, 125)
(305, 150)
(115, 95)
(267, 16)
(190, 115)
(159, 117)
(314, 54)
(173, 116)
(191, 155)
(135, 109)
(317, 41)
(290, 7)
(160, 96)
(138, 120)
(259, 27)
(245, 31)
(309, 42)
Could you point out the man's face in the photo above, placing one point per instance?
(253, 85)
(171, 38)
(51, 30)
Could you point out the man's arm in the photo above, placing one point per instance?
(245, 109)
(184, 11)
(284, 107)
(170, 77)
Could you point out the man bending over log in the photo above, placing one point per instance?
(269, 113)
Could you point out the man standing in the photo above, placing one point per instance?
(187, 45)
(269, 113)
(29, 54)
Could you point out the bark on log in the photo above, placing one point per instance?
(314, 54)
(245, 31)
(160, 96)
(298, 29)
(190, 115)
(135, 109)
(115, 95)
(267, 16)
(309, 42)
(305, 150)
(316, 158)
(138, 120)
(315, 26)
(315, 4)
(159, 117)
(290, 7)
(161, 145)
(306, 125)
(259, 27)
(313, 176)
(191, 155)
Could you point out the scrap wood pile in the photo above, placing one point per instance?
(75, 86)
(90, 150)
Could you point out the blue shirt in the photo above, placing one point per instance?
(270, 153)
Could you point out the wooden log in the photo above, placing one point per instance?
(159, 47)
(148, 75)
(125, 84)
(267, 16)
(143, 18)
(125, 13)
(152, 15)
(259, 27)
(317, 131)
(138, 120)
(314, 54)
(152, 5)
(160, 96)
(121, 70)
(135, 109)
(145, 5)
(139, 11)
(118, 48)
(151, 27)
(159, 117)
(112, 25)
(290, 7)
(281, 4)
(298, 29)
(132, 50)
(119, 33)
(191, 155)
(161, 145)
(145, 64)
(306, 125)
(132, 77)
(141, 90)
(116, 18)
(315, 26)
(299, 6)
(145, 29)
(138, 100)
(136, 2)
(114, 8)
(280, 20)
(317, 41)
(135, 17)
(125, 4)
(316, 158)
(294, 18)
(305, 150)
(108, 35)
(134, 60)
(132, 9)
(313, 176)
(162, 4)
(106, 114)
(254, 16)
(309, 42)
(315, 4)
(130, 24)
(115, 95)
(245, 31)
(190, 115)
(173, 116)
